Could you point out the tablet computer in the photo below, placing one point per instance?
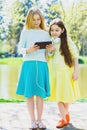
(43, 44)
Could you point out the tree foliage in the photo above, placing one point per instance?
(75, 18)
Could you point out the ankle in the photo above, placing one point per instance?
(41, 124)
(34, 125)
(68, 118)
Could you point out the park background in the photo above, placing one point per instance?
(12, 19)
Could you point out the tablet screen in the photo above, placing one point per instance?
(43, 44)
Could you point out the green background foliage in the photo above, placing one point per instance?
(12, 19)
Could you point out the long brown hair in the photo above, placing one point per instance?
(64, 49)
(29, 18)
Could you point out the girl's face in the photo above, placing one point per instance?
(55, 31)
(36, 21)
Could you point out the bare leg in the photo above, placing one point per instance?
(66, 105)
(63, 113)
(62, 110)
(30, 106)
(67, 109)
(39, 106)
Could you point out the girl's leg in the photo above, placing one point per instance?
(63, 113)
(67, 109)
(66, 105)
(30, 106)
(39, 106)
(62, 110)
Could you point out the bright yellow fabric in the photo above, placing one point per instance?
(63, 87)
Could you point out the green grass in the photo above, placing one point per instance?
(82, 59)
(11, 61)
(18, 61)
(82, 100)
(11, 100)
(22, 100)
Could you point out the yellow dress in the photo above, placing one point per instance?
(63, 87)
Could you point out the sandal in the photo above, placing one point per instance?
(41, 125)
(33, 125)
(61, 124)
(68, 118)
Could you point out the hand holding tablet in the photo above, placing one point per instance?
(43, 44)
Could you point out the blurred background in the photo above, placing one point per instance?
(12, 19)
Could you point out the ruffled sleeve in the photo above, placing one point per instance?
(56, 41)
(73, 48)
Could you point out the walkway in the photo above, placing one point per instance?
(14, 116)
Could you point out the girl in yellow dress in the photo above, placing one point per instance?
(64, 71)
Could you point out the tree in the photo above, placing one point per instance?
(75, 20)
(53, 10)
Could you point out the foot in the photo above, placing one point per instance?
(61, 124)
(67, 118)
(41, 125)
(33, 125)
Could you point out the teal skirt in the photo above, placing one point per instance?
(34, 79)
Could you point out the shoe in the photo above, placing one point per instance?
(41, 125)
(33, 125)
(67, 118)
(61, 124)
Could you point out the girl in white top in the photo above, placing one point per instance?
(34, 76)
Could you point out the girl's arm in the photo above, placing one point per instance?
(75, 54)
(46, 55)
(50, 49)
(76, 69)
(22, 49)
(32, 49)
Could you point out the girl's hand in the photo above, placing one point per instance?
(32, 48)
(75, 76)
(50, 48)
(76, 71)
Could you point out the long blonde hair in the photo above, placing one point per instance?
(29, 18)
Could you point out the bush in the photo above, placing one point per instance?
(82, 59)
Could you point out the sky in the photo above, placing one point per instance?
(65, 2)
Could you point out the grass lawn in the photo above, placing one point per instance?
(11, 61)
(82, 59)
(21, 100)
(18, 61)
(11, 100)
